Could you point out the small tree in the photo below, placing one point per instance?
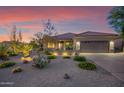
(3, 51)
(16, 38)
(42, 38)
(20, 36)
(14, 34)
(116, 19)
(25, 49)
(38, 40)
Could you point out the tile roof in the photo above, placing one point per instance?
(70, 36)
(91, 33)
(66, 36)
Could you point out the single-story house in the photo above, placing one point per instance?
(88, 42)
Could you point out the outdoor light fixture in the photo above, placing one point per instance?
(59, 45)
(65, 54)
(55, 54)
(77, 45)
(111, 45)
(26, 59)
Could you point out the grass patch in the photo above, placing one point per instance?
(16, 70)
(51, 57)
(7, 64)
(87, 66)
(79, 58)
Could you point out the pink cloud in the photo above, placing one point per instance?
(20, 14)
(10, 15)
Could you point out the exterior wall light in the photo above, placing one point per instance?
(55, 54)
(78, 45)
(59, 46)
(111, 46)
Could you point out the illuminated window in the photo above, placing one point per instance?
(51, 45)
(67, 43)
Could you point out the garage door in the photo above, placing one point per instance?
(94, 46)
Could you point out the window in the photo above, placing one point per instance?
(51, 45)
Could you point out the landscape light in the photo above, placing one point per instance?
(55, 53)
(65, 54)
(26, 58)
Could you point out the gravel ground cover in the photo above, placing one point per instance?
(52, 76)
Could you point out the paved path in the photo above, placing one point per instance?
(112, 62)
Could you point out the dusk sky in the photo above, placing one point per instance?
(66, 19)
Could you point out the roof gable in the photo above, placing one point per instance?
(66, 36)
(91, 33)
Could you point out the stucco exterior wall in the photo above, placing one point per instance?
(96, 43)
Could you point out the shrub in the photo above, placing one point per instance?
(12, 53)
(4, 57)
(51, 57)
(7, 64)
(79, 58)
(3, 52)
(24, 48)
(87, 66)
(40, 61)
(16, 69)
(66, 57)
(48, 52)
(66, 76)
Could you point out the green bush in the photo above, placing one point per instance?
(87, 66)
(16, 69)
(66, 57)
(7, 64)
(51, 57)
(11, 53)
(4, 57)
(3, 52)
(79, 58)
(48, 52)
(40, 61)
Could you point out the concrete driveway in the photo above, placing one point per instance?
(112, 62)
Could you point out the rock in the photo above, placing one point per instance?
(66, 76)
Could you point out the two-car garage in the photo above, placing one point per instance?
(94, 46)
(95, 42)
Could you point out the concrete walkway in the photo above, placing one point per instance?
(112, 62)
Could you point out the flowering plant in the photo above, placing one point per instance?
(40, 61)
